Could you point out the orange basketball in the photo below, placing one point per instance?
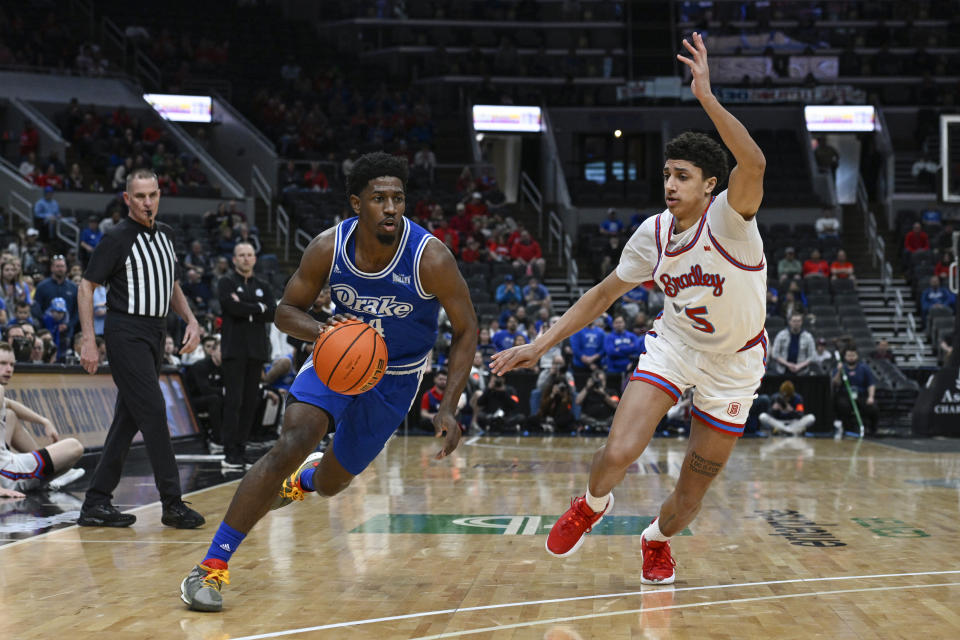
(350, 357)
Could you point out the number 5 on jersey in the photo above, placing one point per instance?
(700, 323)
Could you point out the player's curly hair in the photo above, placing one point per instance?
(371, 166)
(703, 151)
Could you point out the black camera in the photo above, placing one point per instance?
(22, 348)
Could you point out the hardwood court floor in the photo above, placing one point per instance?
(797, 539)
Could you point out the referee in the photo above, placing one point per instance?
(135, 260)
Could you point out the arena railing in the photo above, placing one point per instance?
(283, 231)
(262, 190)
(530, 193)
(20, 207)
(68, 232)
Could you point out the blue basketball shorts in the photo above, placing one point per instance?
(363, 422)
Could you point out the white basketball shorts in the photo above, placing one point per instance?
(725, 383)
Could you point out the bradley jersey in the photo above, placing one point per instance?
(392, 300)
(713, 277)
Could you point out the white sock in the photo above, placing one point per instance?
(653, 533)
(595, 503)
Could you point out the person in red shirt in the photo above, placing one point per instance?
(526, 253)
(815, 266)
(430, 401)
(446, 235)
(461, 221)
(841, 267)
(499, 248)
(942, 268)
(50, 178)
(315, 179)
(473, 251)
(477, 206)
(916, 239)
(29, 140)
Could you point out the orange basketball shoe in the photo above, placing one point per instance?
(658, 564)
(567, 534)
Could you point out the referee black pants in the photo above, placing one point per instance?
(241, 383)
(135, 349)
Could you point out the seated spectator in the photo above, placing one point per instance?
(89, 238)
(597, 403)
(21, 316)
(116, 215)
(290, 178)
(793, 349)
(197, 292)
(815, 266)
(827, 226)
(476, 206)
(942, 268)
(13, 290)
(225, 241)
(197, 258)
(56, 286)
(536, 293)
(935, 295)
(499, 247)
(50, 178)
(75, 180)
(204, 382)
(611, 256)
(916, 239)
(314, 179)
(634, 302)
(508, 291)
(789, 268)
(841, 267)
(170, 357)
(473, 251)
(460, 222)
(57, 322)
(621, 348)
(243, 234)
(862, 388)
(498, 408)
(465, 182)
(46, 211)
(587, 345)
(486, 346)
(194, 176)
(823, 356)
(787, 412)
(773, 301)
(430, 401)
(28, 168)
(425, 160)
(791, 304)
(611, 226)
(506, 337)
(882, 351)
(442, 230)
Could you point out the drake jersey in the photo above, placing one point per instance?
(713, 276)
(392, 300)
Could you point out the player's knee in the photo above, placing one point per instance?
(617, 458)
(331, 487)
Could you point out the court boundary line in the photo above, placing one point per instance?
(506, 605)
(691, 605)
(43, 535)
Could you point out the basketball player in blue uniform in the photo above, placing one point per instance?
(387, 271)
(705, 252)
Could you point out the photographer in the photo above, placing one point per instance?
(499, 407)
(597, 404)
(556, 372)
(556, 410)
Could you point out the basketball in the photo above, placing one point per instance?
(350, 357)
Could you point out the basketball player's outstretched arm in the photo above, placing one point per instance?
(440, 276)
(303, 288)
(594, 302)
(745, 187)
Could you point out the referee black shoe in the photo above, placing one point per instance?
(104, 515)
(180, 516)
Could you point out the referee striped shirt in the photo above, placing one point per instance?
(138, 266)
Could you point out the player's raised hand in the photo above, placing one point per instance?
(698, 66)
(446, 427)
(519, 357)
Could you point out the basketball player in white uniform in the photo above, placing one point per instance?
(705, 253)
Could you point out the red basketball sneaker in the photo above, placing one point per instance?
(658, 564)
(567, 534)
